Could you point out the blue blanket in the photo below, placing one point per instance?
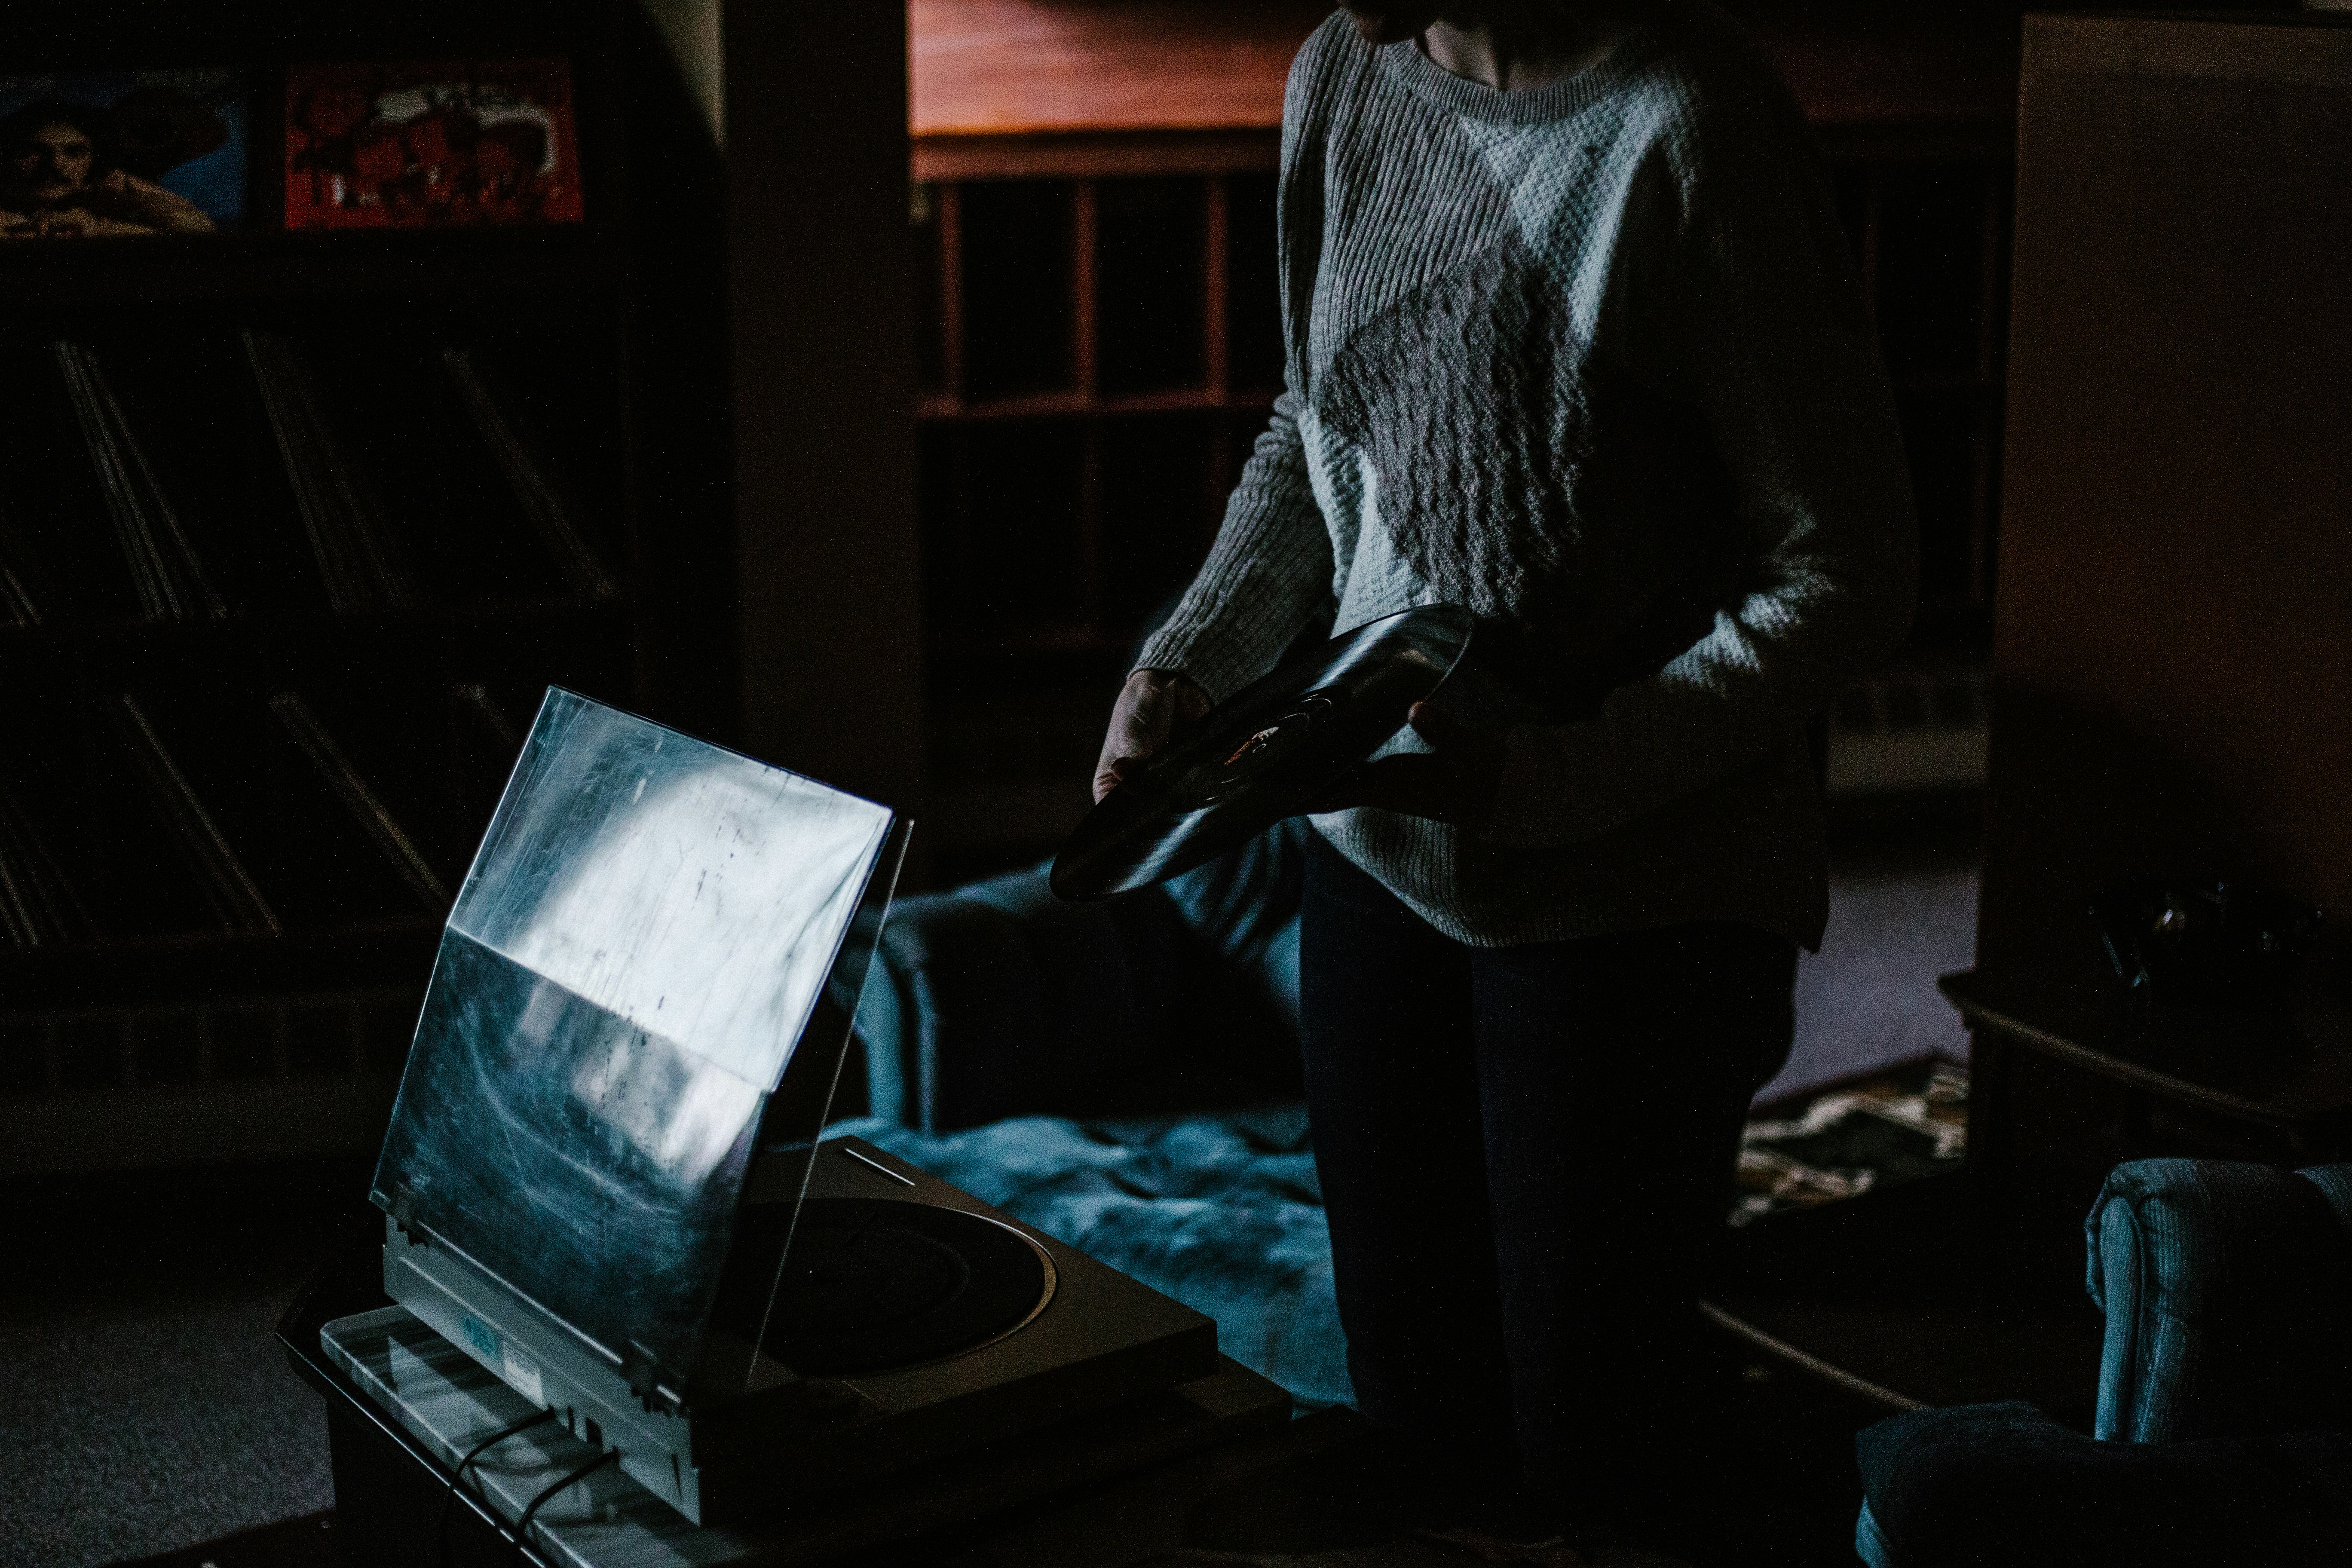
(1221, 1212)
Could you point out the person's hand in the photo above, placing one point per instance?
(1454, 781)
(117, 192)
(130, 199)
(1149, 706)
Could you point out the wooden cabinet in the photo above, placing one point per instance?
(1103, 350)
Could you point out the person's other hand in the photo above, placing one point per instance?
(116, 191)
(1454, 781)
(1149, 706)
(120, 195)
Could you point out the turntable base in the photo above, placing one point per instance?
(910, 1322)
(398, 1415)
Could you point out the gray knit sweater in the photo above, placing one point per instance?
(1591, 360)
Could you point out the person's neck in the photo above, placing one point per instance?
(1517, 59)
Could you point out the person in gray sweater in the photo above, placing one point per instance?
(1573, 339)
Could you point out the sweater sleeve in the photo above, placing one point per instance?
(1269, 568)
(1769, 340)
(1271, 565)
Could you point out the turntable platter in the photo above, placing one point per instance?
(872, 1285)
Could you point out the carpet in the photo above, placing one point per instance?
(1906, 1124)
(308, 1542)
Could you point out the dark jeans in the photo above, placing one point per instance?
(1524, 1152)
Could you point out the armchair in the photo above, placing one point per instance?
(998, 999)
(2223, 1432)
(1125, 1076)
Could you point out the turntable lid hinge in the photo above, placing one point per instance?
(645, 1380)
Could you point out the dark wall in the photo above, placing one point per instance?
(2173, 622)
(821, 310)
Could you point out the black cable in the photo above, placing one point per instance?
(523, 1525)
(441, 1525)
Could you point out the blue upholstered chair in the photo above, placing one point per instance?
(1125, 1076)
(997, 999)
(2224, 1426)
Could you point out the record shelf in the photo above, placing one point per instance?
(1101, 345)
(294, 530)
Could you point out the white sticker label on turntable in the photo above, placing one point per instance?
(521, 1374)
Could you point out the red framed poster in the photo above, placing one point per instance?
(425, 145)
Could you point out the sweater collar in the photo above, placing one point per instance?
(1443, 90)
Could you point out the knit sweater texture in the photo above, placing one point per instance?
(1592, 360)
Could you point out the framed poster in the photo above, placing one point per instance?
(423, 145)
(102, 154)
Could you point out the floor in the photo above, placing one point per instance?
(1903, 910)
(1305, 1496)
(146, 1407)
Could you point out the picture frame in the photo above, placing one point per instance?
(122, 153)
(431, 144)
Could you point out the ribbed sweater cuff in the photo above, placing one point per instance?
(1194, 650)
(1239, 614)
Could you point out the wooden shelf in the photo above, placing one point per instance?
(946, 408)
(2291, 1070)
(219, 968)
(308, 628)
(1094, 155)
(1160, 70)
(549, 264)
(997, 68)
(296, 1116)
(1102, 353)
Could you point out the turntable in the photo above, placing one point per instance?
(603, 1180)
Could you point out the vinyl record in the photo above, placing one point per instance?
(1263, 753)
